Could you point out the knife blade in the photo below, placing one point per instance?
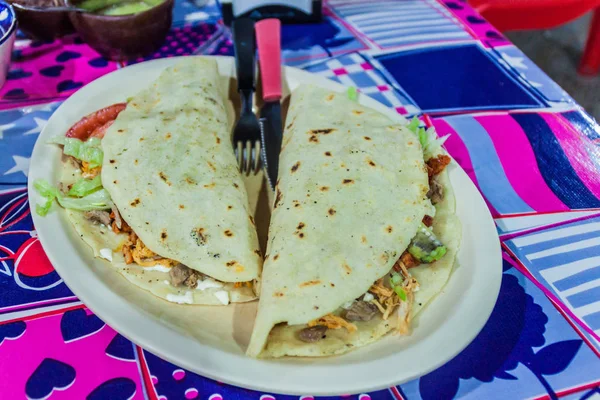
(271, 133)
(268, 40)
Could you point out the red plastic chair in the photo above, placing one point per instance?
(509, 15)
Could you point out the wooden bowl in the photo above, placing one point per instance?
(124, 37)
(41, 25)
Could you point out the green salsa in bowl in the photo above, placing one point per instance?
(118, 7)
(123, 29)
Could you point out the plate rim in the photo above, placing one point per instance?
(281, 386)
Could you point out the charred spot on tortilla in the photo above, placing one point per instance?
(112, 161)
(168, 135)
(324, 188)
(275, 257)
(142, 139)
(181, 206)
(164, 178)
(278, 197)
(199, 236)
(300, 225)
(348, 181)
(278, 294)
(389, 229)
(210, 185)
(325, 131)
(190, 181)
(347, 269)
(212, 166)
(371, 163)
(235, 185)
(120, 130)
(229, 207)
(135, 202)
(231, 263)
(295, 167)
(328, 153)
(366, 138)
(357, 112)
(331, 211)
(310, 283)
(385, 257)
(363, 239)
(115, 182)
(330, 97)
(313, 139)
(331, 284)
(228, 233)
(218, 140)
(163, 235)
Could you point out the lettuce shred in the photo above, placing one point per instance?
(96, 200)
(88, 151)
(352, 93)
(430, 142)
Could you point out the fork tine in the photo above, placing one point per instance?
(256, 157)
(239, 154)
(248, 158)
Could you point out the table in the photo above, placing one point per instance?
(531, 150)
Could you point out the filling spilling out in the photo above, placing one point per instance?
(82, 148)
(393, 293)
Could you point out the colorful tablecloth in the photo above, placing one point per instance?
(533, 153)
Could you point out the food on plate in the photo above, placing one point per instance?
(117, 7)
(363, 232)
(152, 186)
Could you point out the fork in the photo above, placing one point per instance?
(246, 134)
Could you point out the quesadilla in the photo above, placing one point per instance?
(363, 233)
(153, 187)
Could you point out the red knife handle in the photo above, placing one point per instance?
(268, 40)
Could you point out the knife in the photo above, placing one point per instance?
(268, 40)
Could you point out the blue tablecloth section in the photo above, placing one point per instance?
(530, 149)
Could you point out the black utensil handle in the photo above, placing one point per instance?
(245, 49)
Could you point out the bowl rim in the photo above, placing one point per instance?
(13, 26)
(87, 14)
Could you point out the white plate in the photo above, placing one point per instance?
(211, 340)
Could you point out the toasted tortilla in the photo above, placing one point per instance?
(170, 169)
(351, 195)
(107, 245)
(283, 339)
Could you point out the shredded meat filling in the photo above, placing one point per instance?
(135, 250)
(98, 217)
(435, 165)
(333, 322)
(124, 227)
(181, 275)
(361, 311)
(436, 191)
(312, 334)
(408, 260)
(88, 172)
(428, 220)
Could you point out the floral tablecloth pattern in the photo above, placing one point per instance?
(533, 153)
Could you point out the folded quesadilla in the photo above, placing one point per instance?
(153, 186)
(363, 232)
